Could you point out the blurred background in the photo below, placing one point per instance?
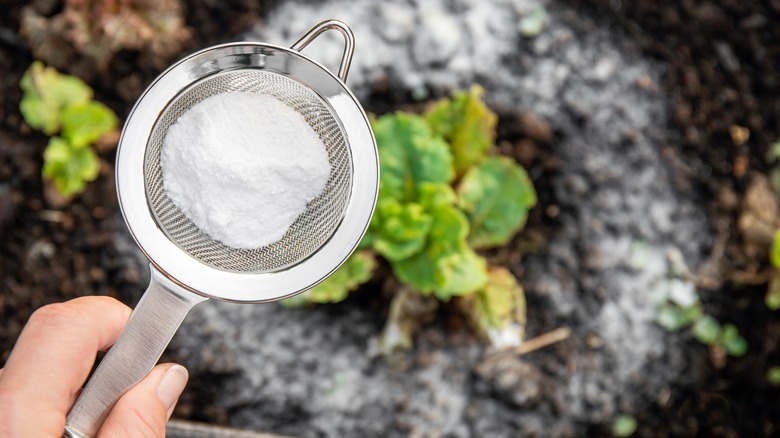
(632, 290)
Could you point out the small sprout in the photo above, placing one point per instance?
(675, 318)
(54, 102)
(532, 22)
(772, 297)
(671, 318)
(774, 256)
(707, 330)
(773, 376)
(734, 344)
(624, 426)
(47, 93)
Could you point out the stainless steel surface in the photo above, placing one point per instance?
(187, 266)
(349, 42)
(223, 282)
(151, 326)
(188, 429)
(71, 433)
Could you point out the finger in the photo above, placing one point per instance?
(51, 361)
(143, 411)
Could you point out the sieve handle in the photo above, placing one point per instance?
(349, 42)
(151, 326)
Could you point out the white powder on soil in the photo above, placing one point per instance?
(242, 167)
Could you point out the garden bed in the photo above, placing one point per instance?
(618, 115)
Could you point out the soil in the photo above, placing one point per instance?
(721, 59)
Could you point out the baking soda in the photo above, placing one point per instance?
(242, 167)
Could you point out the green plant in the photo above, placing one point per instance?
(773, 376)
(624, 426)
(442, 198)
(772, 297)
(88, 34)
(57, 103)
(683, 310)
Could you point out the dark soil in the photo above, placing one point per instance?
(723, 59)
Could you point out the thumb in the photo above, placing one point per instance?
(143, 411)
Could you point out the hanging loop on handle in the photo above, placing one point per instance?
(349, 43)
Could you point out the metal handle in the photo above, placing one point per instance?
(349, 42)
(149, 330)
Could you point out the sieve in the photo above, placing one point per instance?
(187, 265)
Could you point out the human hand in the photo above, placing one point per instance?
(51, 360)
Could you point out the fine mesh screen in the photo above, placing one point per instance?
(312, 228)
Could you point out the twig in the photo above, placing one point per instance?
(541, 341)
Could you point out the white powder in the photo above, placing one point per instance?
(242, 167)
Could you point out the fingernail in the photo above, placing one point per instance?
(171, 386)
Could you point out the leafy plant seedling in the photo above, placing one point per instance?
(773, 376)
(443, 197)
(624, 426)
(57, 103)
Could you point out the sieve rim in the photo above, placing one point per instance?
(190, 273)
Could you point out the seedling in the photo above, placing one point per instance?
(442, 197)
(55, 103)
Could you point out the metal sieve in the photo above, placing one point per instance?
(309, 231)
(187, 265)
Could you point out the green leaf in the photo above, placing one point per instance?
(40, 114)
(707, 330)
(69, 167)
(498, 310)
(772, 297)
(673, 317)
(467, 124)
(459, 273)
(734, 344)
(774, 256)
(357, 270)
(46, 93)
(446, 266)
(84, 123)
(433, 196)
(410, 154)
(773, 376)
(624, 426)
(496, 196)
(401, 229)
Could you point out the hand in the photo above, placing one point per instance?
(51, 360)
